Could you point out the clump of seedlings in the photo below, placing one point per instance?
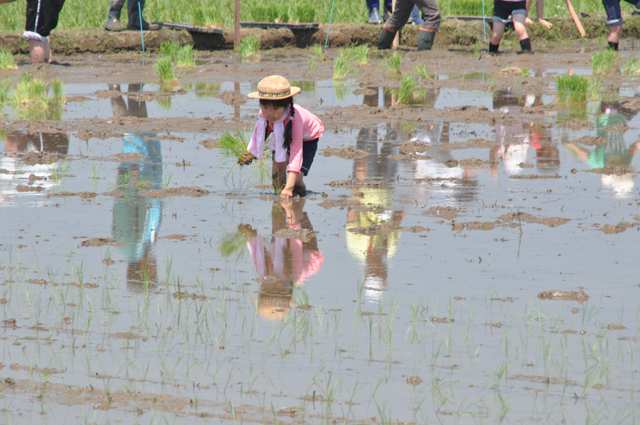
(602, 62)
(393, 64)
(235, 145)
(572, 88)
(35, 98)
(165, 70)
(7, 61)
(318, 52)
(408, 90)
(249, 46)
(342, 68)
(186, 57)
(421, 71)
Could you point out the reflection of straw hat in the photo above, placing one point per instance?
(274, 87)
(274, 300)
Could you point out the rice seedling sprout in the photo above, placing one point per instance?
(572, 88)
(7, 62)
(165, 70)
(249, 46)
(186, 57)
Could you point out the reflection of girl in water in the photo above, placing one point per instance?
(284, 262)
(136, 218)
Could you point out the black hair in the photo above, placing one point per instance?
(282, 103)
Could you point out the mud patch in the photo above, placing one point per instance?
(129, 156)
(591, 141)
(100, 242)
(232, 98)
(609, 229)
(359, 183)
(474, 225)
(556, 295)
(25, 188)
(374, 229)
(612, 170)
(534, 176)
(209, 143)
(85, 135)
(417, 229)
(577, 124)
(305, 235)
(193, 191)
(530, 218)
(448, 213)
(33, 158)
(345, 153)
(350, 204)
(83, 195)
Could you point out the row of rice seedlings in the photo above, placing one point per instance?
(82, 14)
(249, 46)
(172, 56)
(274, 12)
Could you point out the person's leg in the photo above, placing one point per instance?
(415, 15)
(394, 23)
(133, 8)
(39, 51)
(501, 12)
(496, 37)
(519, 18)
(374, 12)
(431, 15)
(614, 22)
(113, 21)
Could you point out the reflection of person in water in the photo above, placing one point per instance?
(136, 218)
(16, 144)
(613, 153)
(283, 263)
(373, 250)
(514, 141)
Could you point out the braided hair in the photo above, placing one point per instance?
(282, 103)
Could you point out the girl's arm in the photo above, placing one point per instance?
(295, 156)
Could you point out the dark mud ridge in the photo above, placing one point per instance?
(452, 32)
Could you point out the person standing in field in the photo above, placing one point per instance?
(501, 11)
(294, 131)
(400, 16)
(614, 20)
(134, 8)
(42, 18)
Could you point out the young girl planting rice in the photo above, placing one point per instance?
(294, 134)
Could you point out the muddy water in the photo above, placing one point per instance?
(467, 260)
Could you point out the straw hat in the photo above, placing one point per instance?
(274, 87)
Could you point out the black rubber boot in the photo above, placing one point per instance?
(425, 39)
(386, 38)
(134, 17)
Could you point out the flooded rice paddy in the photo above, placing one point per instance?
(465, 259)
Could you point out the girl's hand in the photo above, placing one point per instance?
(287, 192)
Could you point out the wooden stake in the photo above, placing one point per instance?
(236, 24)
(575, 18)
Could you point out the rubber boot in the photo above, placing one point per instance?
(134, 17)
(113, 22)
(386, 38)
(425, 39)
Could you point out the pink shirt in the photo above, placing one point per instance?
(306, 127)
